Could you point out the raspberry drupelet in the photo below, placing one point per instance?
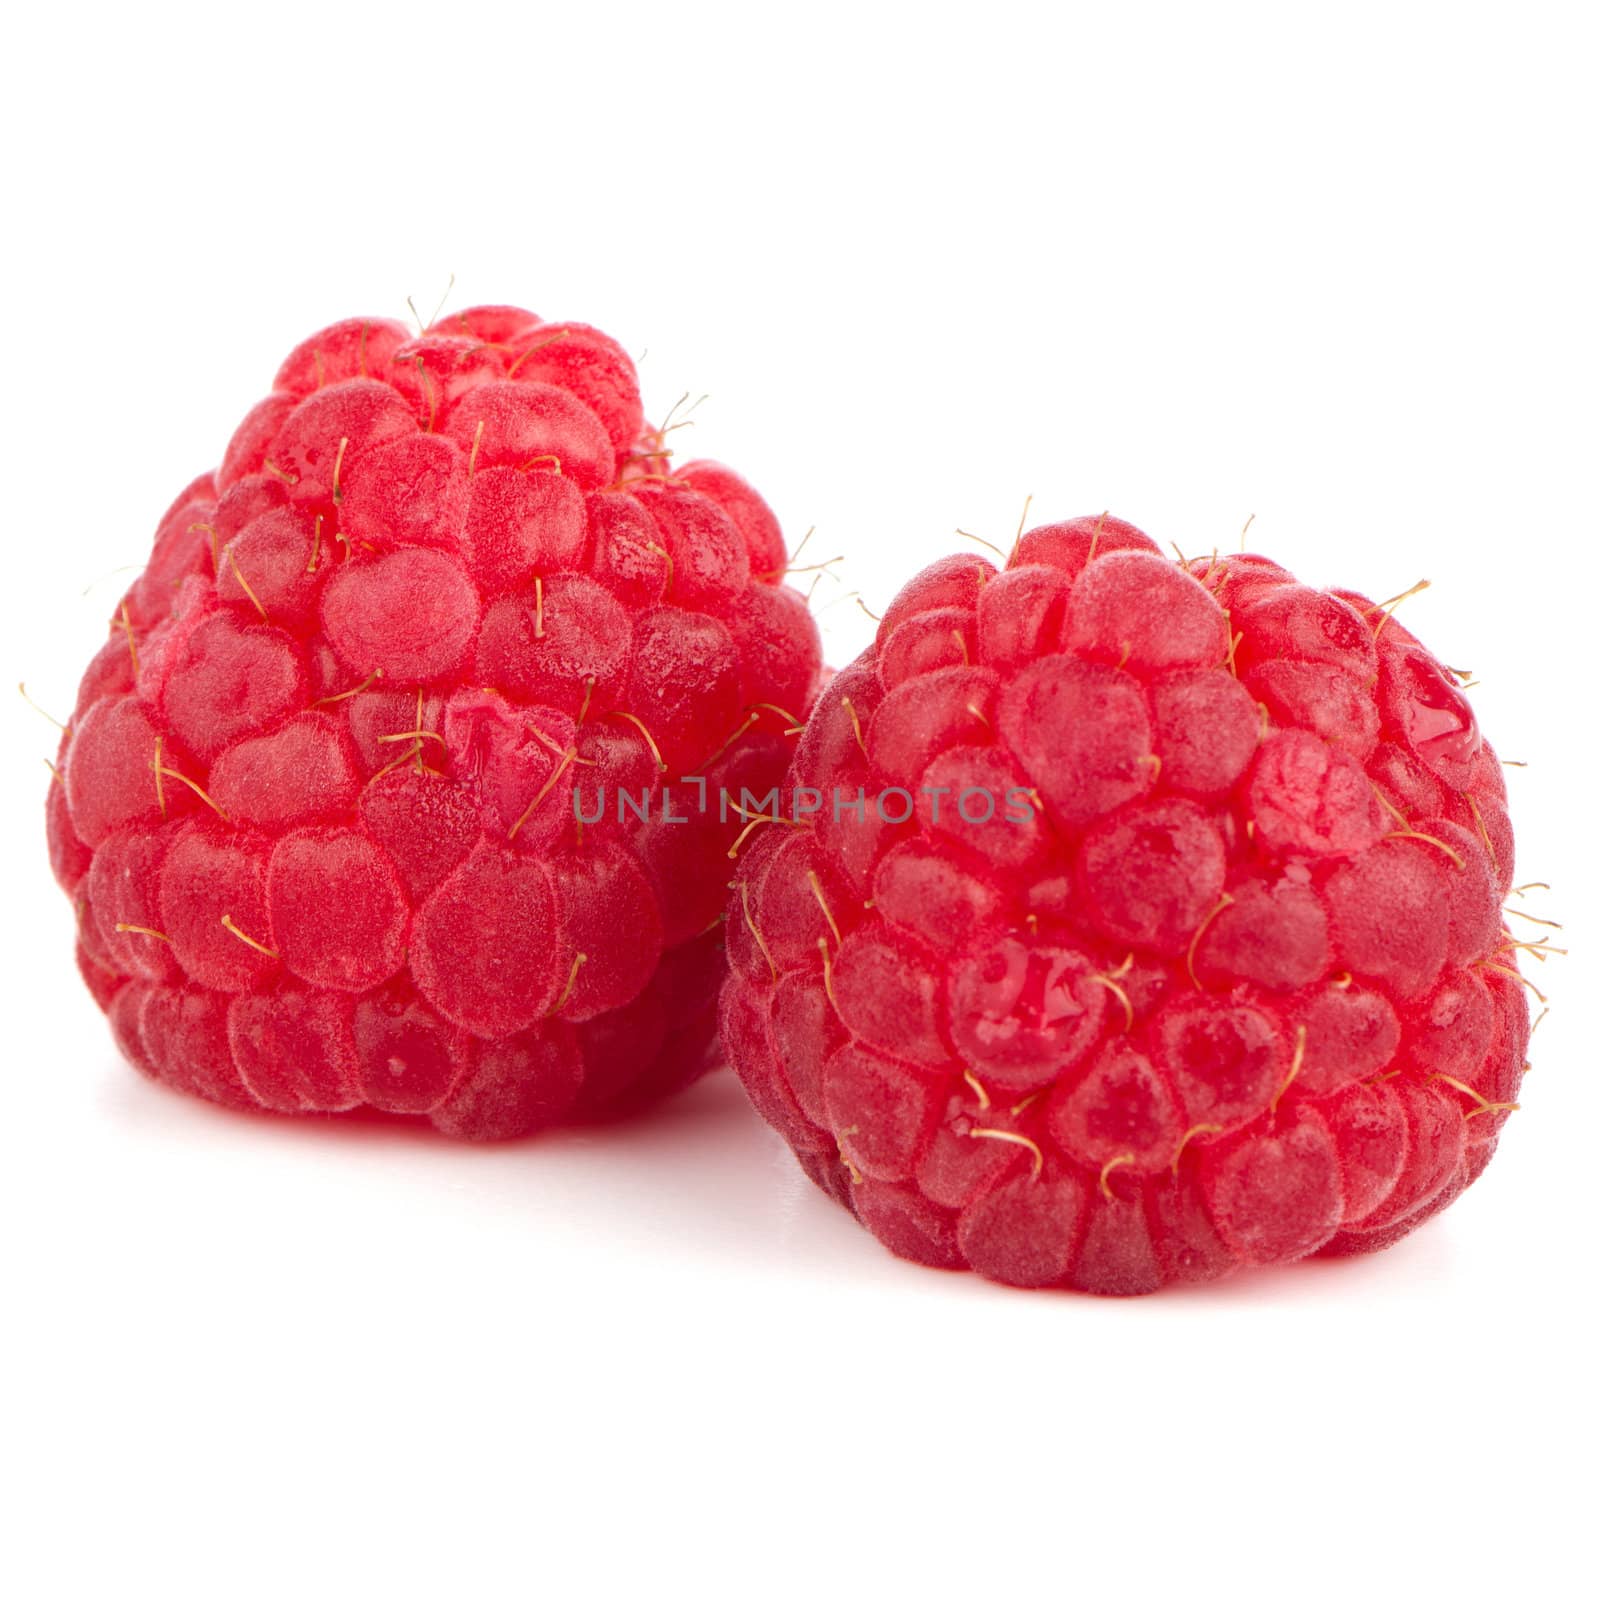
(1129, 922)
(375, 796)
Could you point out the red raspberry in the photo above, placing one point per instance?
(1130, 921)
(367, 799)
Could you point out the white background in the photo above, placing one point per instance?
(1331, 266)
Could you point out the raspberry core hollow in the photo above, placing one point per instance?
(1127, 922)
(318, 806)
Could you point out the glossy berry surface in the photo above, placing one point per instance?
(375, 797)
(1129, 922)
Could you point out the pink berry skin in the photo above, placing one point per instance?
(1233, 986)
(319, 809)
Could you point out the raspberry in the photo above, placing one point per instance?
(378, 794)
(1128, 922)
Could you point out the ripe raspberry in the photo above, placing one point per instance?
(366, 802)
(1132, 921)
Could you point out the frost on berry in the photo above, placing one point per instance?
(1167, 938)
(589, 365)
(228, 680)
(531, 425)
(213, 905)
(305, 769)
(763, 540)
(377, 794)
(295, 1049)
(338, 912)
(684, 671)
(1081, 731)
(520, 524)
(920, 720)
(414, 491)
(1138, 610)
(410, 614)
(886, 992)
(110, 777)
